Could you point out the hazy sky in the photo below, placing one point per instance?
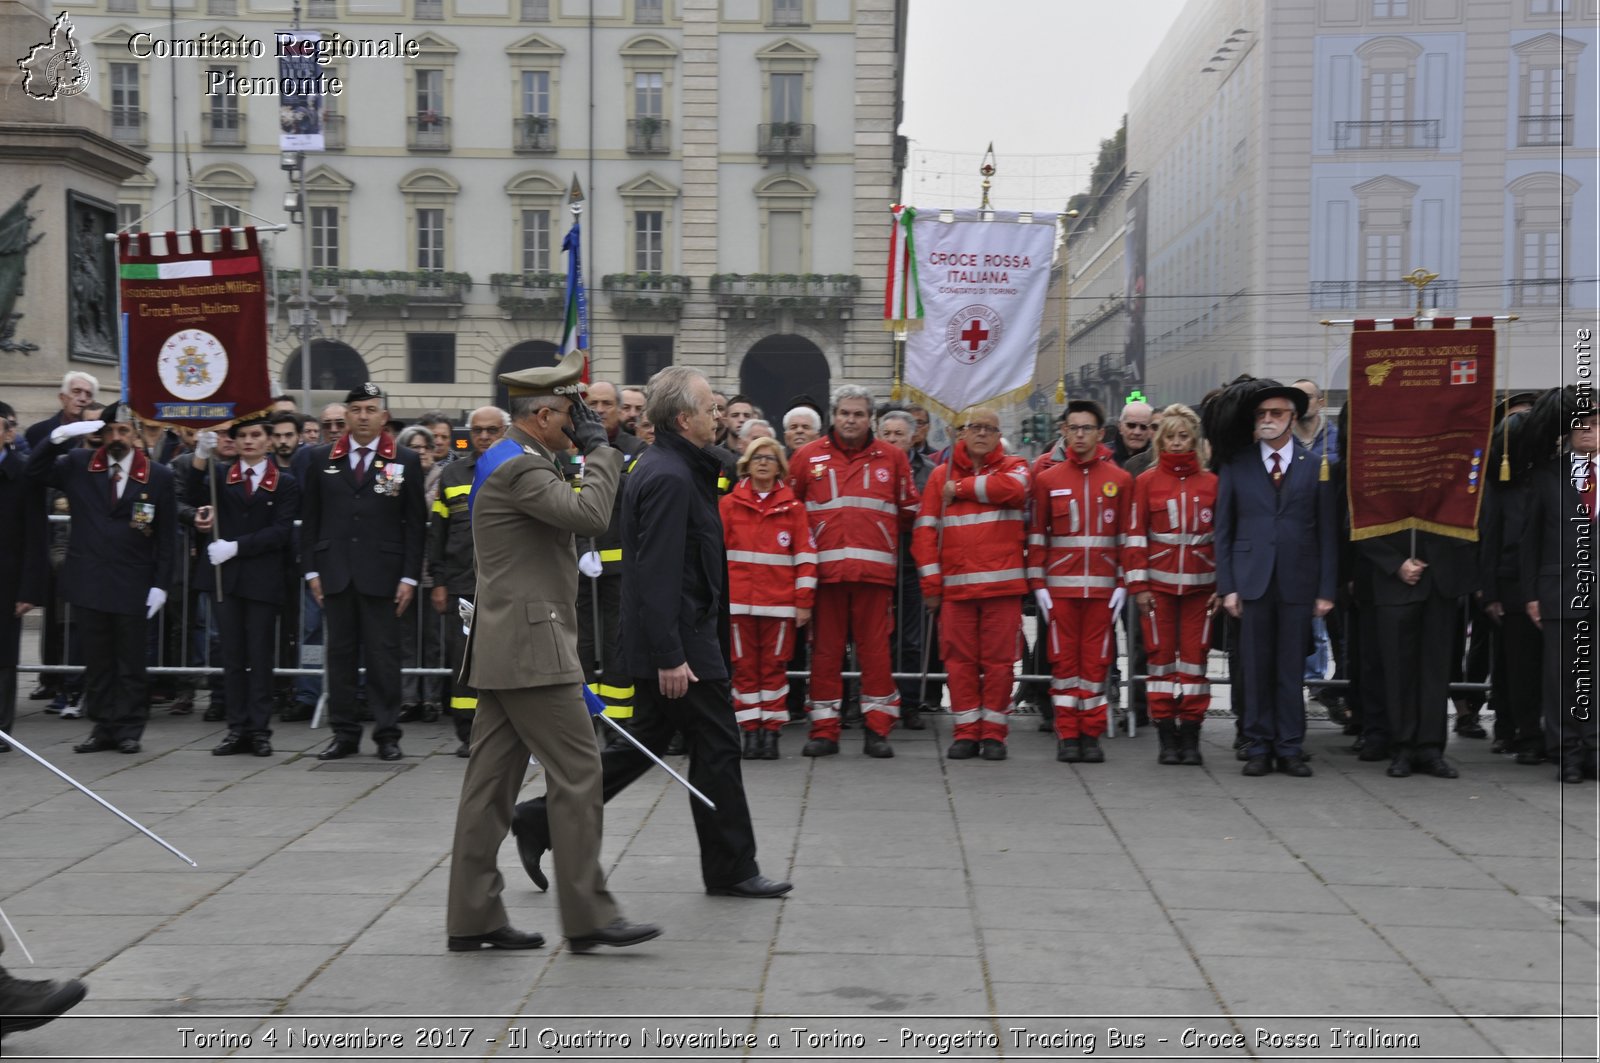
(1045, 80)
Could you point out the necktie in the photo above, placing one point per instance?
(361, 463)
(116, 484)
(249, 482)
(1277, 471)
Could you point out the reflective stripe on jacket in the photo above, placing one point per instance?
(1075, 536)
(772, 566)
(973, 547)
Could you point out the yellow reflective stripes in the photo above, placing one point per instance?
(619, 712)
(723, 483)
(604, 691)
(608, 556)
(458, 491)
(442, 509)
(464, 703)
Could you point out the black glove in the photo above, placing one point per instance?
(585, 431)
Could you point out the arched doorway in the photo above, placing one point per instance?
(525, 355)
(335, 366)
(778, 368)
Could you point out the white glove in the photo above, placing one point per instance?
(154, 601)
(465, 609)
(77, 428)
(1118, 596)
(589, 565)
(205, 444)
(1042, 596)
(222, 550)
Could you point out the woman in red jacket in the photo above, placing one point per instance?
(772, 580)
(1172, 575)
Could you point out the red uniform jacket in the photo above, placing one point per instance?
(984, 528)
(772, 566)
(1080, 514)
(1169, 546)
(858, 502)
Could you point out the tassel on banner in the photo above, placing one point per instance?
(1061, 391)
(1323, 473)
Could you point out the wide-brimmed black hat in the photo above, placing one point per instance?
(1271, 389)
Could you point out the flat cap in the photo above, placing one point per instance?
(563, 378)
(362, 392)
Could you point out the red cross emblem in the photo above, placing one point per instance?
(974, 335)
(1464, 371)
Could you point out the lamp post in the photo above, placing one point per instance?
(1066, 293)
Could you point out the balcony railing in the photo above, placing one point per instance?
(786, 140)
(430, 9)
(222, 129)
(656, 296)
(322, 9)
(428, 132)
(532, 296)
(533, 133)
(1544, 130)
(1552, 292)
(222, 7)
(1411, 133)
(332, 132)
(1381, 295)
(649, 136)
(765, 295)
(127, 126)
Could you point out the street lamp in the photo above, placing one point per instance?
(1066, 291)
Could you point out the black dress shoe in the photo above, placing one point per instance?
(1530, 758)
(28, 1005)
(41, 693)
(754, 886)
(233, 743)
(464, 750)
(877, 746)
(1374, 751)
(1400, 766)
(1501, 745)
(1439, 768)
(531, 847)
(1255, 767)
(389, 751)
(962, 749)
(911, 718)
(129, 745)
(338, 749)
(619, 933)
(94, 744)
(820, 747)
(1295, 766)
(676, 747)
(1571, 773)
(507, 937)
(410, 713)
(260, 746)
(296, 712)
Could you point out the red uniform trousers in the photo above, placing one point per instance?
(979, 640)
(1175, 647)
(762, 646)
(864, 613)
(1081, 645)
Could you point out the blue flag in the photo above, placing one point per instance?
(575, 331)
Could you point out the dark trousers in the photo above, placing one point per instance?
(463, 699)
(1273, 636)
(1415, 640)
(600, 652)
(1366, 658)
(1518, 675)
(115, 686)
(1569, 714)
(420, 647)
(249, 644)
(915, 632)
(360, 626)
(705, 716)
(1471, 653)
(8, 698)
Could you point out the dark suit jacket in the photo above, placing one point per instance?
(1558, 534)
(111, 564)
(1504, 526)
(24, 560)
(1452, 567)
(674, 568)
(1262, 531)
(39, 431)
(355, 536)
(262, 525)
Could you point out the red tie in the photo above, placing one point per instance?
(116, 479)
(249, 482)
(1277, 471)
(361, 463)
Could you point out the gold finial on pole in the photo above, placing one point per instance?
(987, 170)
(1067, 217)
(1420, 279)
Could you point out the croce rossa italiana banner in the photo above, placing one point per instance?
(1421, 413)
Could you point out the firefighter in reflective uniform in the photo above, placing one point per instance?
(772, 581)
(859, 497)
(1075, 541)
(451, 557)
(969, 549)
(599, 601)
(1172, 576)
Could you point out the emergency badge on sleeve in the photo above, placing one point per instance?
(390, 478)
(144, 517)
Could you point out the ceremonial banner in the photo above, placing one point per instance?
(301, 89)
(575, 327)
(1421, 412)
(978, 288)
(194, 329)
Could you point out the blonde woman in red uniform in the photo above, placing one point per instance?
(772, 582)
(1172, 575)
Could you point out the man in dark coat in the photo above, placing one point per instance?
(119, 565)
(363, 514)
(256, 510)
(78, 390)
(24, 561)
(673, 604)
(1276, 547)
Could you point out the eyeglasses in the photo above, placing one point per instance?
(480, 431)
(982, 429)
(1081, 429)
(1273, 412)
(1136, 426)
(764, 457)
(333, 424)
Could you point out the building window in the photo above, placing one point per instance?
(432, 356)
(431, 10)
(322, 9)
(1542, 207)
(128, 215)
(536, 93)
(430, 98)
(786, 242)
(225, 217)
(127, 120)
(647, 94)
(122, 6)
(536, 241)
(788, 97)
(788, 13)
(536, 10)
(645, 356)
(222, 7)
(430, 238)
(1547, 73)
(223, 124)
(1381, 256)
(648, 12)
(1549, 7)
(649, 254)
(1389, 8)
(325, 237)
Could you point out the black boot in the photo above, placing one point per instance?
(769, 745)
(752, 745)
(911, 717)
(1189, 743)
(1167, 734)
